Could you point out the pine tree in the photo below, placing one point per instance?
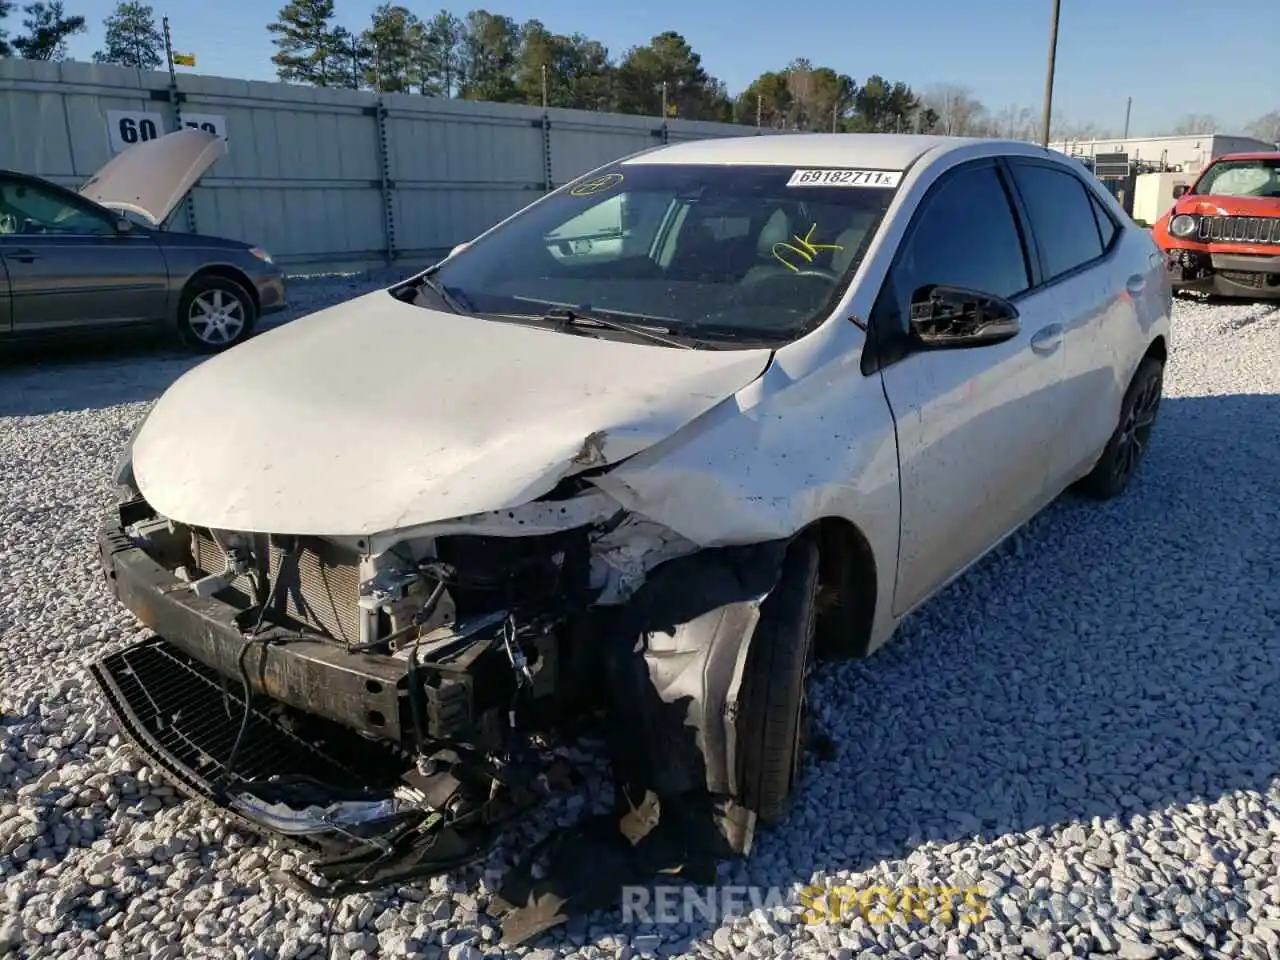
(48, 28)
(5, 49)
(132, 39)
(309, 48)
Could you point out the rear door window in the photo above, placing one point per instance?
(1062, 216)
(1106, 226)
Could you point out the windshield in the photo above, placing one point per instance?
(1242, 178)
(736, 249)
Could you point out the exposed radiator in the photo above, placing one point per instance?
(321, 586)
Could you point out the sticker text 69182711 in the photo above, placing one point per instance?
(845, 178)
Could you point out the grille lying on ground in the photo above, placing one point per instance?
(185, 719)
(321, 589)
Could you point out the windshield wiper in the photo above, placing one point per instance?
(567, 319)
(451, 300)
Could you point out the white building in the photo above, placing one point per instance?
(1188, 154)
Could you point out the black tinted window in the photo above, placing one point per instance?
(1106, 226)
(1061, 216)
(965, 236)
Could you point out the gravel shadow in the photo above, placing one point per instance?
(1157, 682)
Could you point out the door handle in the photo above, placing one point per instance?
(1136, 284)
(23, 256)
(1047, 338)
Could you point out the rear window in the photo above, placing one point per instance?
(1062, 216)
(746, 248)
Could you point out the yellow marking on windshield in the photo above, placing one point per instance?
(804, 248)
(598, 185)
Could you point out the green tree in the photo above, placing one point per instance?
(132, 38)
(820, 97)
(48, 28)
(395, 44)
(441, 55)
(490, 49)
(5, 49)
(309, 49)
(766, 101)
(884, 107)
(576, 69)
(668, 59)
(346, 59)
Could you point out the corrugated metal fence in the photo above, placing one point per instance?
(321, 177)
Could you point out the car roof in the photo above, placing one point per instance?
(1252, 155)
(877, 151)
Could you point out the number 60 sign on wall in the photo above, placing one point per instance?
(128, 127)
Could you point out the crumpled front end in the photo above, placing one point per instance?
(392, 702)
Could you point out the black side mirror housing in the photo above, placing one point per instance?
(1180, 190)
(950, 318)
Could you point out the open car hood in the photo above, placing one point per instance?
(151, 178)
(376, 415)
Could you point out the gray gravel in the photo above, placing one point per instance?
(1085, 726)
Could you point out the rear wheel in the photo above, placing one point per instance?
(775, 687)
(215, 313)
(1128, 445)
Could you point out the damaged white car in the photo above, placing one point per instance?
(639, 454)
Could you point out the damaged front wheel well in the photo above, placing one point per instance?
(846, 590)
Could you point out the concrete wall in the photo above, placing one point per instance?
(322, 177)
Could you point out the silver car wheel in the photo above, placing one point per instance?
(217, 317)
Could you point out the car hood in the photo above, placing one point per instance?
(377, 415)
(151, 178)
(1210, 205)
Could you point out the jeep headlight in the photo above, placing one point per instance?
(1183, 225)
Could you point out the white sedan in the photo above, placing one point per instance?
(642, 451)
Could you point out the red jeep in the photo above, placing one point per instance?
(1222, 234)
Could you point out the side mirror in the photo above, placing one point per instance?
(124, 225)
(948, 318)
(1180, 190)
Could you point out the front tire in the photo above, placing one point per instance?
(1128, 445)
(775, 687)
(215, 313)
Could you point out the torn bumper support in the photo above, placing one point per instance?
(673, 668)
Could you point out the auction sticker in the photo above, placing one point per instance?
(845, 178)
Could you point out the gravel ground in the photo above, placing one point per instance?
(1099, 758)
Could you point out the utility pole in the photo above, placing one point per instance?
(835, 117)
(664, 101)
(175, 99)
(168, 53)
(1128, 108)
(544, 86)
(759, 110)
(1048, 77)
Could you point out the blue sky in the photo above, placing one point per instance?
(1173, 57)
